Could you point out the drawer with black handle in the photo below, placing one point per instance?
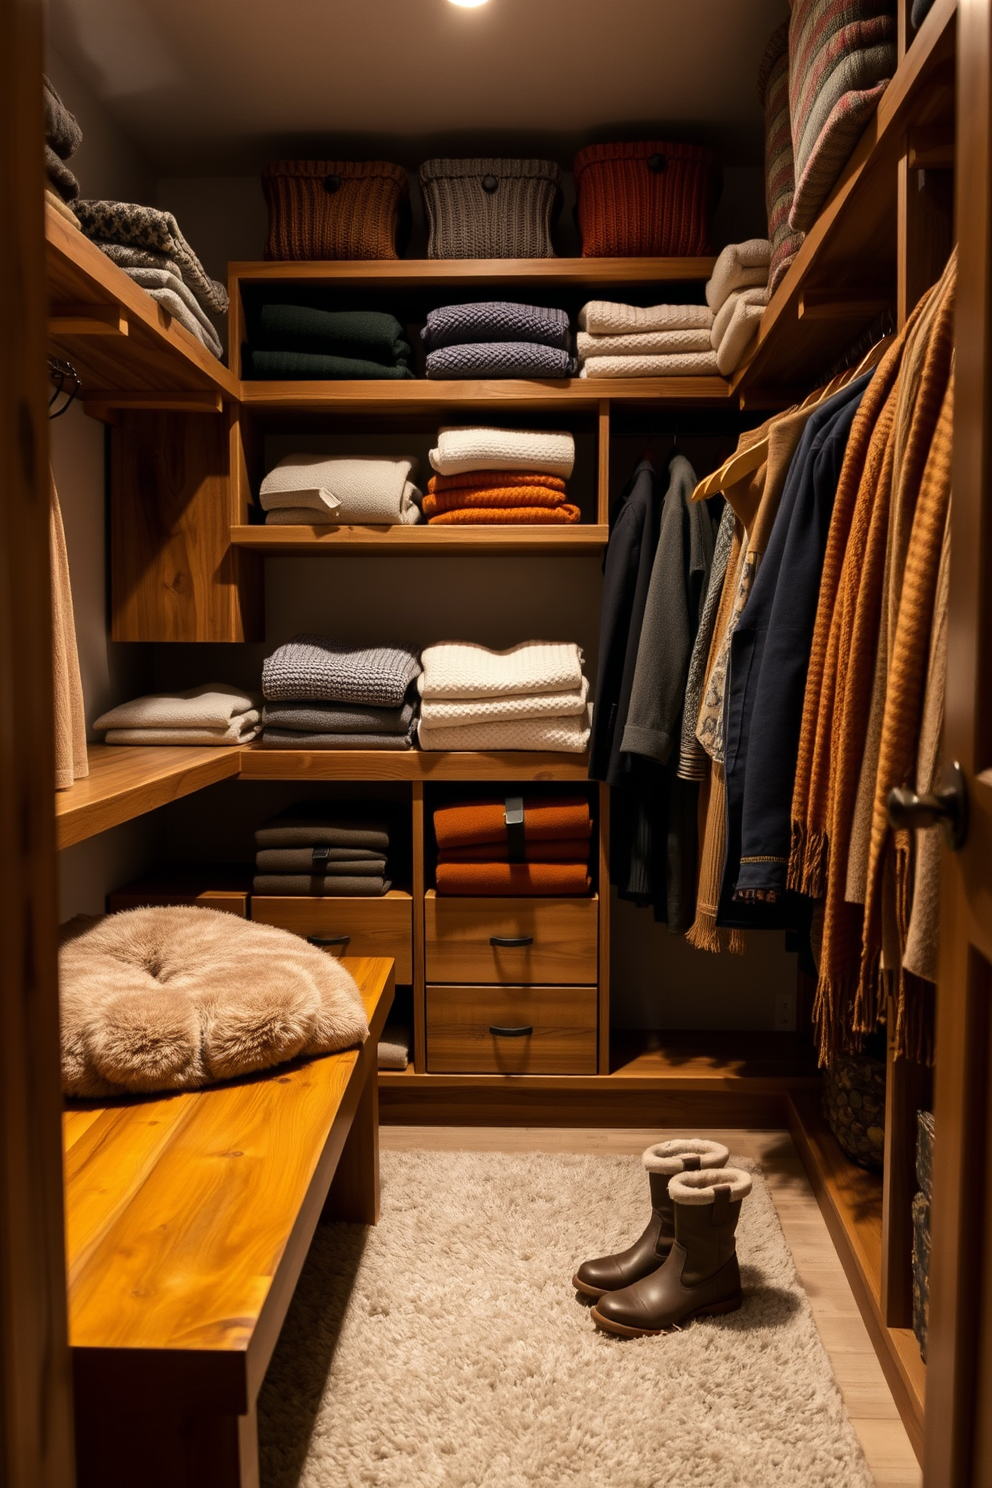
(511, 940)
(512, 1030)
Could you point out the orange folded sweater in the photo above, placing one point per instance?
(565, 850)
(485, 480)
(486, 515)
(525, 879)
(502, 494)
(546, 818)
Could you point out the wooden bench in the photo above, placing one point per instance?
(188, 1219)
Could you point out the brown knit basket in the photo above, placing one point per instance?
(854, 1105)
(490, 208)
(648, 199)
(325, 209)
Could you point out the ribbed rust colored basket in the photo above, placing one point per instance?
(325, 209)
(490, 208)
(854, 1105)
(646, 199)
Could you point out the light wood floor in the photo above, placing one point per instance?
(845, 1339)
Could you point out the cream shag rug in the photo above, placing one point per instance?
(446, 1349)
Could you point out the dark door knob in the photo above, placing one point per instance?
(948, 805)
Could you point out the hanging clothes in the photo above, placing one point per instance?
(71, 761)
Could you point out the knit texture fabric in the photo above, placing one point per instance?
(291, 366)
(239, 731)
(212, 705)
(740, 329)
(275, 738)
(364, 488)
(495, 320)
(490, 208)
(463, 669)
(332, 209)
(493, 488)
(525, 879)
(780, 165)
(167, 288)
(173, 303)
(564, 735)
(320, 824)
(136, 226)
(60, 176)
(312, 668)
(462, 712)
(500, 359)
(688, 364)
(365, 335)
(563, 850)
(339, 718)
(546, 819)
(464, 449)
(842, 54)
(321, 516)
(739, 266)
(648, 198)
(62, 131)
(300, 860)
(643, 343)
(481, 516)
(213, 301)
(608, 318)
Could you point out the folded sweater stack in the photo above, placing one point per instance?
(486, 476)
(737, 293)
(211, 714)
(514, 845)
(149, 247)
(494, 338)
(323, 695)
(299, 342)
(532, 696)
(63, 138)
(311, 490)
(320, 849)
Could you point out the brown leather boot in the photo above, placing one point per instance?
(662, 1162)
(701, 1277)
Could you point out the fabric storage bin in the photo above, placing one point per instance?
(647, 199)
(331, 209)
(490, 208)
(854, 1105)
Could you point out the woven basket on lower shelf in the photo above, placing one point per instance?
(854, 1105)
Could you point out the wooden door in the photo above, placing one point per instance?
(35, 1424)
(958, 1445)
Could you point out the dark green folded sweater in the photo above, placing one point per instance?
(282, 366)
(366, 335)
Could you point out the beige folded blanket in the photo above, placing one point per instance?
(363, 489)
(463, 669)
(688, 364)
(565, 735)
(312, 516)
(463, 712)
(643, 343)
(240, 731)
(394, 1047)
(535, 450)
(607, 318)
(741, 327)
(739, 266)
(211, 706)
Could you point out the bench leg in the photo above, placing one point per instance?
(124, 1449)
(354, 1191)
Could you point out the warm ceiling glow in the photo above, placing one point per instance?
(468, 4)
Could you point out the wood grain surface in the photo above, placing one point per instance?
(375, 927)
(458, 930)
(422, 541)
(258, 763)
(447, 271)
(126, 780)
(460, 1040)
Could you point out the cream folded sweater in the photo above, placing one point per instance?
(214, 705)
(365, 488)
(607, 318)
(643, 343)
(322, 516)
(463, 669)
(544, 452)
(239, 731)
(739, 327)
(565, 735)
(688, 364)
(739, 266)
(463, 712)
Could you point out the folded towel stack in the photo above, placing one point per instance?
(290, 342)
(737, 294)
(309, 490)
(654, 341)
(323, 695)
(532, 696)
(211, 714)
(485, 848)
(149, 247)
(63, 138)
(487, 476)
(320, 849)
(494, 338)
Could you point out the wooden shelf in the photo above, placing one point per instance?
(472, 271)
(127, 780)
(851, 1201)
(578, 394)
(258, 763)
(91, 301)
(850, 252)
(423, 541)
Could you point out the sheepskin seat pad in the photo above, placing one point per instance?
(178, 997)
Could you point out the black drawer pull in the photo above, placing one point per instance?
(511, 940)
(328, 940)
(511, 1032)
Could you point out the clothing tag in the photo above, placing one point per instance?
(514, 816)
(321, 858)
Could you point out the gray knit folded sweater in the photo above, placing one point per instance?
(62, 131)
(501, 359)
(311, 668)
(135, 226)
(275, 738)
(339, 718)
(314, 824)
(495, 320)
(300, 860)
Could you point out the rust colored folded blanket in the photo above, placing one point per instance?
(545, 819)
(567, 850)
(504, 493)
(513, 878)
(486, 480)
(485, 516)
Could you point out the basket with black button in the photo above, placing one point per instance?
(645, 199)
(490, 208)
(335, 209)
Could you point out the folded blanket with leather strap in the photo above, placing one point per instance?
(644, 343)
(287, 366)
(487, 516)
(512, 878)
(565, 851)
(312, 860)
(503, 492)
(275, 738)
(320, 886)
(500, 359)
(545, 819)
(555, 735)
(464, 669)
(459, 712)
(684, 364)
(314, 824)
(363, 488)
(368, 335)
(340, 718)
(607, 318)
(212, 705)
(545, 451)
(311, 668)
(136, 226)
(495, 320)
(172, 294)
(62, 131)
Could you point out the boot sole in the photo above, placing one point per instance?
(714, 1309)
(589, 1291)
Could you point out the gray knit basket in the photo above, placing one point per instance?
(490, 208)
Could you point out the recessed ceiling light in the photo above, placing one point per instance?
(468, 4)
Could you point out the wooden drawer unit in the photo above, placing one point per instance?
(471, 940)
(352, 927)
(511, 1030)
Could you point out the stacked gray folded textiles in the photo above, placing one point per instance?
(149, 247)
(494, 338)
(323, 695)
(314, 491)
(63, 138)
(320, 849)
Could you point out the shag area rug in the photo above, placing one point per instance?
(446, 1348)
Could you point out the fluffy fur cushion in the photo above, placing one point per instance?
(175, 998)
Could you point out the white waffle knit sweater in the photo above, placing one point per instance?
(643, 343)
(565, 735)
(462, 669)
(546, 452)
(518, 707)
(608, 318)
(686, 364)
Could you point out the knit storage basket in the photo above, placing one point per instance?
(644, 200)
(854, 1105)
(490, 208)
(325, 209)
